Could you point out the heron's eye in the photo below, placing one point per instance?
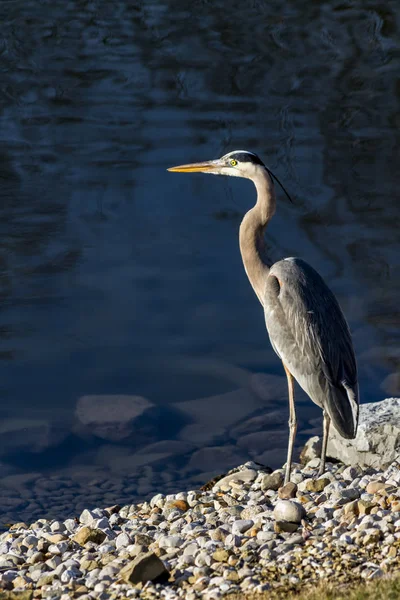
(233, 162)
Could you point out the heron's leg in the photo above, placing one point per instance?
(292, 424)
(327, 422)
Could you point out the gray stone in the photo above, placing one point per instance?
(146, 567)
(170, 541)
(251, 512)
(241, 526)
(272, 482)
(233, 540)
(265, 536)
(351, 473)
(346, 495)
(324, 513)
(377, 443)
(245, 476)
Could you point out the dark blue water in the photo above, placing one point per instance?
(120, 279)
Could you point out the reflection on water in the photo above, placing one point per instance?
(119, 280)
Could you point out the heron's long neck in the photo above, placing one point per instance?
(251, 235)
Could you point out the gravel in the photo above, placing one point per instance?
(244, 532)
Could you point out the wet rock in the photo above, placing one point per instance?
(216, 458)
(167, 448)
(259, 423)
(226, 409)
(146, 567)
(269, 388)
(258, 441)
(30, 435)
(111, 417)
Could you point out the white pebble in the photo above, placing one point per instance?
(289, 511)
(122, 540)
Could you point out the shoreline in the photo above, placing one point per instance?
(244, 534)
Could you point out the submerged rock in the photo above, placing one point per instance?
(30, 435)
(111, 417)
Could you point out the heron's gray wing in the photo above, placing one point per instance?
(310, 334)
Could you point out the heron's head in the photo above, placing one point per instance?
(238, 163)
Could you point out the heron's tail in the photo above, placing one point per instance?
(342, 407)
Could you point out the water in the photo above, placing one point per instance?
(118, 278)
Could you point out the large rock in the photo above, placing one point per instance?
(30, 435)
(122, 459)
(231, 410)
(377, 443)
(111, 418)
(216, 459)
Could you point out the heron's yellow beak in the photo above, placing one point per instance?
(202, 167)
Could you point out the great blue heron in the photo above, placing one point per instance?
(306, 326)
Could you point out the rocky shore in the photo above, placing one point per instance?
(244, 532)
(240, 533)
